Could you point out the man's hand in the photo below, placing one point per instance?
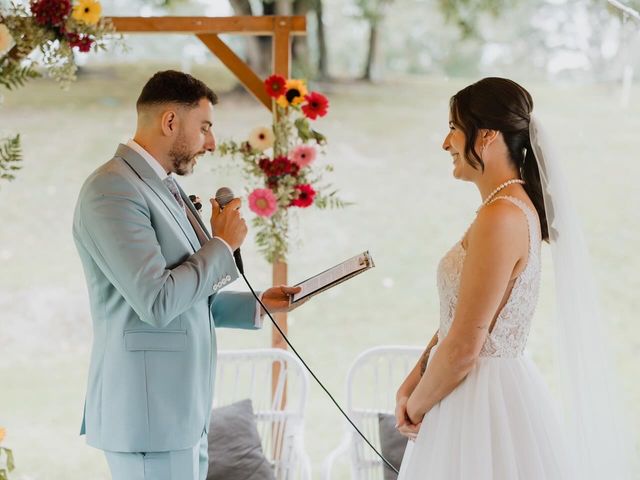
(276, 299)
(403, 424)
(227, 223)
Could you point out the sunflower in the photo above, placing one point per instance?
(296, 91)
(87, 11)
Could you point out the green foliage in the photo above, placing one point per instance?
(306, 133)
(10, 157)
(272, 235)
(465, 13)
(15, 76)
(330, 200)
(372, 10)
(6, 456)
(54, 43)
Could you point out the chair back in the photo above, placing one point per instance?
(372, 383)
(271, 378)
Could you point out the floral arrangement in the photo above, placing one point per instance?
(55, 29)
(281, 164)
(6, 458)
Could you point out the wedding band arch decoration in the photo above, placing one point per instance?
(207, 30)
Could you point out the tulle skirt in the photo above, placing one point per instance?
(500, 423)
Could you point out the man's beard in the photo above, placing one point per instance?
(181, 158)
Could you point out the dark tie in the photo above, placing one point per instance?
(173, 188)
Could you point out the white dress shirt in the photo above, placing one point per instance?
(162, 174)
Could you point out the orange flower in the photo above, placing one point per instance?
(3, 433)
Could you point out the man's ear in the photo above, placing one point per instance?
(169, 123)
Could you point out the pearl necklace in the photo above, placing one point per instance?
(500, 187)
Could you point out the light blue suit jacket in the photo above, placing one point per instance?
(155, 303)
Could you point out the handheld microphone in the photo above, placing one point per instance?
(223, 196)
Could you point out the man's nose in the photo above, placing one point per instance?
(210, 143)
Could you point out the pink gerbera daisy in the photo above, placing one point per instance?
(303, 155)
(263, 202)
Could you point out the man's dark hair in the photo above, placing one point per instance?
(172, 86)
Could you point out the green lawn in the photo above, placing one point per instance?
(385, 144)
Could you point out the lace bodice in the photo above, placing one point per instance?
(511, 329)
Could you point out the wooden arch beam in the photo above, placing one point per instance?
(207, 29)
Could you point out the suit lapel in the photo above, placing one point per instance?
(189, 204)
(140, 166)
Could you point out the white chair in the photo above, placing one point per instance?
(245, 374)
(372, 382)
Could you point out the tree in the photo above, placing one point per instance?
(258, 51)
(373, 12)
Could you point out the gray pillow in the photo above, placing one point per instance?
(235, 451)
(392, 443)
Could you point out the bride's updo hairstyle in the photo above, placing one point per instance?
(500, 104)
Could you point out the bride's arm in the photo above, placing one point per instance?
(413, 378)
(494, 248)
(402, 396)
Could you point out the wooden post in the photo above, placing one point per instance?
(281, 50)
(282, 46)
(281, 66)
(279, 277)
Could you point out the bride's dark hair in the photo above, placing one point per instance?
(501, 104)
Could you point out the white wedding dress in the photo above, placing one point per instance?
(500, 423)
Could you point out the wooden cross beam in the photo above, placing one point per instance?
(207, 30)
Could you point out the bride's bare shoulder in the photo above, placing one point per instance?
(501, 224)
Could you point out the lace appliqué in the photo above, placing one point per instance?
(511, 329)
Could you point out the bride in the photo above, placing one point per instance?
(475, 406)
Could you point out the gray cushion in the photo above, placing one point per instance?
(235, 451)
(392, 443)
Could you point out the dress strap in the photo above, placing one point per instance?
(528, 213)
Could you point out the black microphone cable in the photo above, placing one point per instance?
(224, 195)
(386, 462)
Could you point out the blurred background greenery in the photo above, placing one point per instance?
(387, 120)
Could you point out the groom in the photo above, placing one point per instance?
(155, 278)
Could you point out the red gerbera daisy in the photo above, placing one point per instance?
(278, 166)
(317, 105)
(50, 12)
(276, 85)
(306, 194)
(81, 42)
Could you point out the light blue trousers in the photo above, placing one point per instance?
(189, 464)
